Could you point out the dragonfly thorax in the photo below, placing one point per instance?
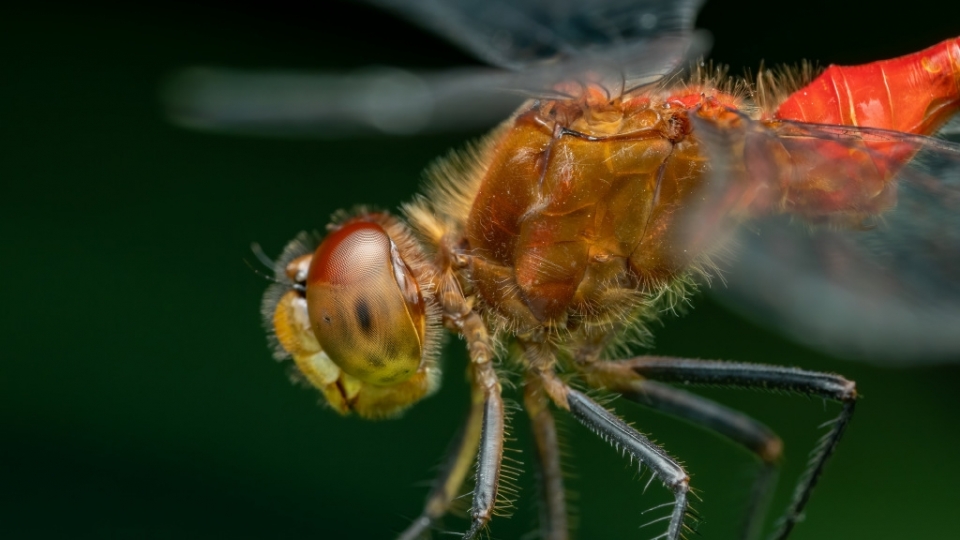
(571, 220)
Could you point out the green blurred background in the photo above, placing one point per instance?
(137, 395)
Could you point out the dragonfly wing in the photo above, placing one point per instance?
(517, 34)
(839, 239)
(616, 43)
(951, 130)
(373, 101)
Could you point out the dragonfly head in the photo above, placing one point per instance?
(358, 315)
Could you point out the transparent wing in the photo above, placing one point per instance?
(516, 34)
(373, 101)
(847, 239)
(951, 129)
(616, 43)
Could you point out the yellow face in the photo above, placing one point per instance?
(354, 319)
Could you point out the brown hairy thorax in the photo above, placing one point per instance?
(567, 208)
(549, 253)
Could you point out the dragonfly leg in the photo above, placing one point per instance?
(491, 451)
(455, 468)
(734, 425)
(553, 505)
(606, 424)
(486, 386)
(622, 436)
(764, 377)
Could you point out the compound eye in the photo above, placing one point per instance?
(365, 305)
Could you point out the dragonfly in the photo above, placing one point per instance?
(623, 182)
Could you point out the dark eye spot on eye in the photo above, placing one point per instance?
(375, 361)
(362, 311)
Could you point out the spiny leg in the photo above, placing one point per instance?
(606, 424)
(455, 468)
(484, 381)
(611, 428)
(734, 425)
(490, 456)
(764, 377)
(553, 506)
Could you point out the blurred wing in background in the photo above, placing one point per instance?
(520, 35)
(370, 101)
(836, 237)
(538, 43)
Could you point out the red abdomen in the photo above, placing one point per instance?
(916, 93)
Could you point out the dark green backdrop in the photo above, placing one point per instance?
(137, 395)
